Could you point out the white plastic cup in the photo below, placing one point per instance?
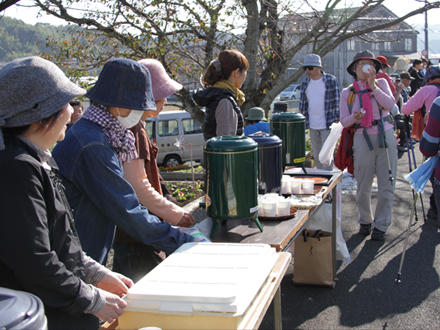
(285, 186)
(295, 186)
(260, 207)
(283, 207)
(271, 196)
(270, 208)
(366, 68)
(307, 187)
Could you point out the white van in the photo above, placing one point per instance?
(173, 131)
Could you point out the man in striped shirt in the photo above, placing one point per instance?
(429, 146)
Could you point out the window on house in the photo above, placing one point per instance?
(387, 46)
(351, 44)
(375, 46)
(408, 44)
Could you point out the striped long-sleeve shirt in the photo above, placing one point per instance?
(430, 141)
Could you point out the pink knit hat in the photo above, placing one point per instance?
(163, 85)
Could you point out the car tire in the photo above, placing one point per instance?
(172, 160)
(293, 97)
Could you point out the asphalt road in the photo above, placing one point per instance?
(366, 295)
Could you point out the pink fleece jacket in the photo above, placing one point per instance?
(425, 95)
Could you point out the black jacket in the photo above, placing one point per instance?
(39, 248)
(210, 98)
(417, 82)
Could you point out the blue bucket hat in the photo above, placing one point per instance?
(123, 83)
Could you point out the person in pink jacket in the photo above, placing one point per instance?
(133, 257)
(425, 97)
(373, 101)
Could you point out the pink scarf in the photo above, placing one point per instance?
(365, 102)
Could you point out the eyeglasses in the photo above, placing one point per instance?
(309, 67)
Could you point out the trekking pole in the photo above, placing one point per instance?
(406, 241)
(415, 164)
(408, 138)
(386, 147)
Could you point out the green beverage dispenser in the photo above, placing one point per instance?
(231, 179)
(291, 129)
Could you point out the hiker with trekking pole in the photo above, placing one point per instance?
(366, 105)
(419, 105)
(429, 147)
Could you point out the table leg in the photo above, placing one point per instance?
(277, 310)
(334, 197)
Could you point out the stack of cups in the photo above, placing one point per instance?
(307, 187)
(260, 205)
(295, 186)
(269, 208)
(283, 207)
(285, 185)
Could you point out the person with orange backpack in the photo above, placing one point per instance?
(374, 144)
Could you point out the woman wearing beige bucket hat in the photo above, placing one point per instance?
(134, 258)
(40, 252)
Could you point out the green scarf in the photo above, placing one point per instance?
(226, 84)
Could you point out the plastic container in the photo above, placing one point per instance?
(283, 207)
(201, 286)
(295, 186)
(21, 310)
(307, 187)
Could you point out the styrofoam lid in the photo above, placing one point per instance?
(214, 277)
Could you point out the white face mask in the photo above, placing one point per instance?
(131, 120)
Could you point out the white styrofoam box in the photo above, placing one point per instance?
(204, 277)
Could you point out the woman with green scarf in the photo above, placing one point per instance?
(223, 98)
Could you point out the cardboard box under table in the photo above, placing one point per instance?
(205, 286)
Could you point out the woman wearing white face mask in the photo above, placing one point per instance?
(134, 258)
(90, 161)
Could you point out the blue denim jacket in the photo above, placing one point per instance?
(101, 198)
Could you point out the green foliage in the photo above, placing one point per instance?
(18, 39)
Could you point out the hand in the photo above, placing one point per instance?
(112, 308)
(400, 87)
(358, 115)
(187, 220)
(371, 78)
(170, 198)
(115, 283)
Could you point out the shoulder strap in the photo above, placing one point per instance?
(350, 99)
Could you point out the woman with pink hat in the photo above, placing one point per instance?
(136, 258)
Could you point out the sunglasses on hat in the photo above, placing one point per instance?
(308, 67)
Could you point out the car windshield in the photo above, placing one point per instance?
(289, 89)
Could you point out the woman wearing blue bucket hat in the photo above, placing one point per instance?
(90, 161)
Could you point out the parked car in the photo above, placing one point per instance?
(291, 93)
(173, 131)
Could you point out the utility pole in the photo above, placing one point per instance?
(426, 32)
